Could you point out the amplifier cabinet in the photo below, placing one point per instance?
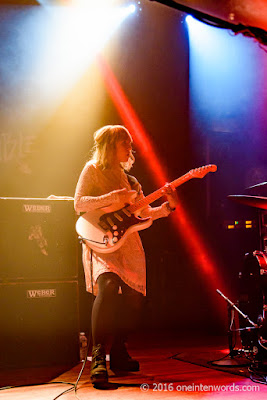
(39, 324)
(37, 240)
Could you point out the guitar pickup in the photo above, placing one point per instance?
(103, 225)
(119, 218)
(109, 220)
(126, 212)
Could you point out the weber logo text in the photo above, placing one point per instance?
(41, 293)
(37, 208)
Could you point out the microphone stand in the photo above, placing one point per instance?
(235, 359)
(237, 309)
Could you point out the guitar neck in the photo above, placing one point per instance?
(158, 193)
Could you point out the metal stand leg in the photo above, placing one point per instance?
(236, 357)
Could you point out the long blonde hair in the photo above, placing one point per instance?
(106, 139)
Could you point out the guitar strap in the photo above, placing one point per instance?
(135, 185)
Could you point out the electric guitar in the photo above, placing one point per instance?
(105, 232)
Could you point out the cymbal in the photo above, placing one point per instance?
(252, 201)
(259, 185)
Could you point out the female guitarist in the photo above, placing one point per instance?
(104, 185)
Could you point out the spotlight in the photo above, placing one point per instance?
(76, 34)
(132, 8)
(189, 19)
(192, 22)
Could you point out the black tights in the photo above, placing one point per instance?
(114, 314)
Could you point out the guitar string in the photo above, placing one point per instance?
(177, 182)
(157, 194)
(151, 197)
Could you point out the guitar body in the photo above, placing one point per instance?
(106, 232)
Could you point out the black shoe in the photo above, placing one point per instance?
(120, 360)
(99, 375)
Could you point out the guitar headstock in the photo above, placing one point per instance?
(203, 171)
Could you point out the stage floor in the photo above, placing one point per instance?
(161, 375)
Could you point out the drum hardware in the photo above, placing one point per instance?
(238, 310)
(252, 296)
(252, 299)
(259, 202)
(252, 355)
(236, 357)
(262, 260)
(258, 185)
(252, 201)
(253, 278)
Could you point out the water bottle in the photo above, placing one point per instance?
(83, 346)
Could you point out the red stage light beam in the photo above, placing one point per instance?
(131, 121)
(184, 226)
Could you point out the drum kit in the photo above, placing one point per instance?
(252, 304)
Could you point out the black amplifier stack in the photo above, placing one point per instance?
(38, 283)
